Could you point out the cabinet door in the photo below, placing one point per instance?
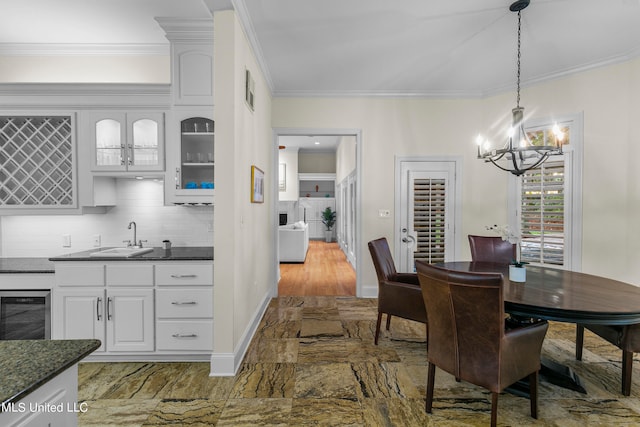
(126, 141)
(145, 142)
(79, 314)
(190, 159)
(130, 318)
(193, 73)
(107, 133)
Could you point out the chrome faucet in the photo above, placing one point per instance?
(133, 243)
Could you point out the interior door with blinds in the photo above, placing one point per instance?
(427, 212)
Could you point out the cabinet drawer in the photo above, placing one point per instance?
(126, 274)
(184, 303)
(184, 274)
(184, 335)
(79, 274)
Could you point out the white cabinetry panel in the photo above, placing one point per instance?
(130, 320)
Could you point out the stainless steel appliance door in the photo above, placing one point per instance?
(25, 315)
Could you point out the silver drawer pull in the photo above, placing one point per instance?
(185, 335)
(183, 302)
(183, 276)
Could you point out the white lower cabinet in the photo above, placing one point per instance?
(121, 319)
(136, 309)
(184, 307)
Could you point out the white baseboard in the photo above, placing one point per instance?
(370, 291)
(227, 364)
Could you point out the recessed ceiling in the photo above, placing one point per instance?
(435, 48)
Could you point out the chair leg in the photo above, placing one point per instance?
(388, 321)
(375, 339)
(430, 382)
(627, 370)
(533, 394)
(494, 409)
(579, 341)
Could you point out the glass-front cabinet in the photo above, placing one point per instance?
(130, 141)
(193, 163)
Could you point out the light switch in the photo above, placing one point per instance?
(66, 240)
(384, 213)
(96, 240)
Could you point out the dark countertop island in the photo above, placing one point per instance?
(29, 364)
(179, 253)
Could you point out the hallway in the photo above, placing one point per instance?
(326, 272)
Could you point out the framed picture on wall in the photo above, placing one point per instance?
(282, 177)
(257, 185)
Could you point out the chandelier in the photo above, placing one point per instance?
(519, 154)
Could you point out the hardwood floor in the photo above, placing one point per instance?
(325, 272)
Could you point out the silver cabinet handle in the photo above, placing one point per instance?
(122, 154)
(183, 276)
(98, 304)
(108, 308)
(185, 335)
(130, 154)
(183, 302)
(178, 183)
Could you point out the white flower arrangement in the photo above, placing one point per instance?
(507, 234)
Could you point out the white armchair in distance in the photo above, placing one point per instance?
(294, 242)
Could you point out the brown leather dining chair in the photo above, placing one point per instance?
(399, 294)
(491, 249)
(625, 337)
(467, 335)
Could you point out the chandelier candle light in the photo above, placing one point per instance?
(519, 154)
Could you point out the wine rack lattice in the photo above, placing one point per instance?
(36, 161)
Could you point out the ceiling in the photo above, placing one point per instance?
(435, 48)
(310, 143)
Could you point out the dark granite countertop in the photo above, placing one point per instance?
(28, 364)
(186, 253)
(26, 265)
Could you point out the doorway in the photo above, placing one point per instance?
(427, 198)
(299, 191)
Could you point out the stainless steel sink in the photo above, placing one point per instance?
(121, 252)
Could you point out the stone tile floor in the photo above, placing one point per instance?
(313, 363)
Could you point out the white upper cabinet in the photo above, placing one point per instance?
(190, 159)
(192, 74)
(126, 141)
(191, 60)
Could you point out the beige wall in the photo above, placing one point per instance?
(427, 127)
(244, 265)
(316, 162)
(86, 69)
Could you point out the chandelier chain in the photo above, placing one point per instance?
(518, 74)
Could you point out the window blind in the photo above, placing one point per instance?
(542, 214)
(429, 219)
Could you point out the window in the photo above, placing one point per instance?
(542, 214)
(545, 202)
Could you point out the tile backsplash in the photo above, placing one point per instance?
(137, 200)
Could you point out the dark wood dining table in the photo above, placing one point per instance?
(563, 296)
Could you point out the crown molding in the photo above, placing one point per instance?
(247, 26)
(85, 95)
(84, 49)
(189, 30)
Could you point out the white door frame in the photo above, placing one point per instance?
(278, 132)
(457, 220)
